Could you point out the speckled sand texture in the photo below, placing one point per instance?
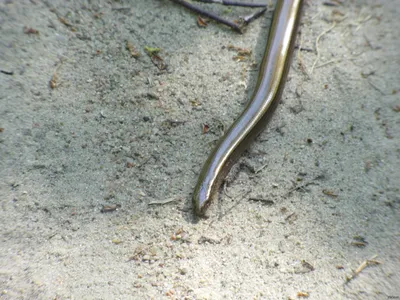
(315, 198)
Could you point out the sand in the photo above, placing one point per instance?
(100, 152)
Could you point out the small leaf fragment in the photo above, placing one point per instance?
(151, 50)
(201, 22)
(132, 50)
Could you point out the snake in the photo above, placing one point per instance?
(258, 111)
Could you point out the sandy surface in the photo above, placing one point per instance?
(115, 130)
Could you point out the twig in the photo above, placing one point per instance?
(305, 184)
(210, 15)
(317, 46)
(110, 208)
(228, 211)
(7, 72)
(331, 3)
(233, 3)
(299, 57)
(367, 18)
(334, 61)
(376, 88)
(165, 201)
(370, 44)
(364, 264)
(258, 170)
(252, 17)
(262, 200)
(300, 187)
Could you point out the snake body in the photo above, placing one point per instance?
(271, 80)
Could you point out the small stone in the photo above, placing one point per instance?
(183, 271)
(152, 95)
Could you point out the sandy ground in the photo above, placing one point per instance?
(314, 200)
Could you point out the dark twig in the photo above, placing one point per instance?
(249, 18)
(210, 15)
(7, 72)
(234, 3)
